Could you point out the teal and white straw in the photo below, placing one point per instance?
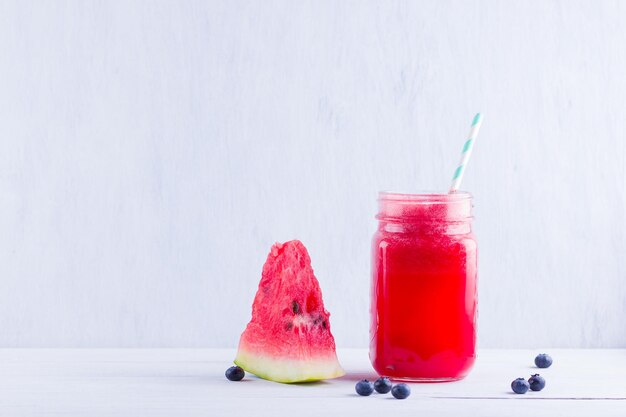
(466, 153)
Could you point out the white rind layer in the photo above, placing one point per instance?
(289, 370)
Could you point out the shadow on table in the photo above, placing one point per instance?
(357, 376)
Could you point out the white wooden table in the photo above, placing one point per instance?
(191, 382)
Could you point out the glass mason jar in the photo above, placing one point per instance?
(423, 292)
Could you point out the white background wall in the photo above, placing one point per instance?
(151, 153)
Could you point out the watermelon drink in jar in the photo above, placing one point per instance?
(423, 289)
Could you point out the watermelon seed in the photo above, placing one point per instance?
(288, 326)
(324, 324)
(295, 307)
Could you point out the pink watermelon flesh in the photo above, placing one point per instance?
(288, 338)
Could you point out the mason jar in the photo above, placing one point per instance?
(423, 288)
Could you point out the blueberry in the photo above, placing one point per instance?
(401, 391)
(364, 387)
(537, 382)
(382, 385)
(520, 386)
(543, 361)
(235, 373)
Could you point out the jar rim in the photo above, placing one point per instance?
(426, 197)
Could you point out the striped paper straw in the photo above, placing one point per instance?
(466, 153)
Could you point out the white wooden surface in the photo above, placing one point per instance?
(151, 151)
(191, 382)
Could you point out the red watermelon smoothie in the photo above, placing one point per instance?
(423, 292)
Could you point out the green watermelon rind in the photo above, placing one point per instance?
(289, 370)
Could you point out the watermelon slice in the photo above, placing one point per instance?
(289, 338)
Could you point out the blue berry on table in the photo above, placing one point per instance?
(537, 382)
(401, 391)
(364, 387)
(382, 385)
(235, 373)
(543, 360)
(520, 386)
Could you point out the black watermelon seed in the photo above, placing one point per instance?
(295, 307)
